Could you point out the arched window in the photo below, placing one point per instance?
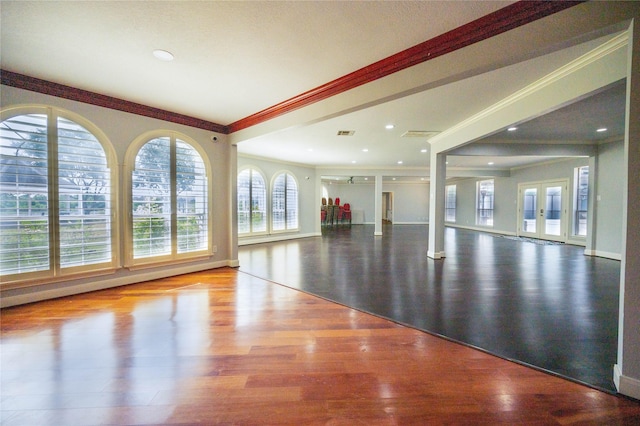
(284, 204)
(56, 201)
(169, 201)
(252, 202)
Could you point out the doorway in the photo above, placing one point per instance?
(542, 211)
(387, 207)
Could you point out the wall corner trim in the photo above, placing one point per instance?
(626, 385)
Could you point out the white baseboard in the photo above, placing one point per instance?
(605, 254)
(244, 241)
(574, 242)
(626, 385)
(34, 294)
(435, 254)
(480, 229)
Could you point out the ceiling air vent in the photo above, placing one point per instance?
(419, 134)
(346, 132)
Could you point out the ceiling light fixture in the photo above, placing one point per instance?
(601, 129)
(491, 163)
(423, 150)
(353, 161)
(365, 150)
(389, 126)
(512, 129)
(400, 162)
(163, 55)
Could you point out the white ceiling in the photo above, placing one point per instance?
(235, 58)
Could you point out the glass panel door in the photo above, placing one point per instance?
(554, 211)
(529, 211)
(541, 210)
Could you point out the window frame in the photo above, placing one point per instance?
(480, 211)
(576, 202)
(447, 207)
(275, 177)
(254, 169)
(56, 272)
(129, 167)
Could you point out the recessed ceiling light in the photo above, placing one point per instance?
(400, 162)
(366, 178)
(163, 55)
(310, 149)
(446, 162)
(421, 178)
(393, 179)
(491, 163)
(423, 150)
(353, 162)
(389, 126)
(601, 129)
(365, 150)
(512, 129)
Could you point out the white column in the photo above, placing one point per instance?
(627, 371)
(317, 229)
(378, 206)
(592, 208)
(438, 173)
(233, 206)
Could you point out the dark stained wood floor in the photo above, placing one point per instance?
(225, 347)
(548, 306)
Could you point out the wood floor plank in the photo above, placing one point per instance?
(224, 347)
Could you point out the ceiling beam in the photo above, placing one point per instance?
(598, 68)
(493, 24)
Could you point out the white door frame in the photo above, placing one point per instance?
(541, 221)
(386, 207)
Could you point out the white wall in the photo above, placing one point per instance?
(360, 196)
(410, 202)
(608, 201)
(121, 129)
(410, 199)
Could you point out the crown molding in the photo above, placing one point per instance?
(21, 81)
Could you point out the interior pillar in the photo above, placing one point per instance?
(592, 209)
(317, 229)
(627, 371)
(438, 176)
(233, 202)
(378, 206)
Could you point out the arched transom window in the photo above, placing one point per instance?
(169, 200)
(284, 204)
(56, 204)
(252, 202)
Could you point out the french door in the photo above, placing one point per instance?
(542, 211)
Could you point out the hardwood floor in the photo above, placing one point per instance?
(225, 347)
(547, 306)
